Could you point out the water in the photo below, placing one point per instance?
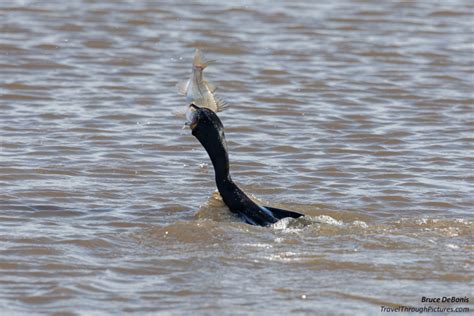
(357, 113)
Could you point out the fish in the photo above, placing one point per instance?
(199, 91)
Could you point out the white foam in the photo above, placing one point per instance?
(360, 224)
(329, 220)
(452, 246)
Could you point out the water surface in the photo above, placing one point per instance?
(357, 113)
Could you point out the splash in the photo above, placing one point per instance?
(289, 225)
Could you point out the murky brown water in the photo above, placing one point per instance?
(359, 114)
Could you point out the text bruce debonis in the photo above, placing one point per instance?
(445, 299)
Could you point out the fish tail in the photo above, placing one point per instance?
(199, 60)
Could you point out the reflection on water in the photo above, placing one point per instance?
(358, 114)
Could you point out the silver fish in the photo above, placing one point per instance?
(199, 91)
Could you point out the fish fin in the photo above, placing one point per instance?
(183, 86)
(279, 213)
(221, 104)
(199, 60)
(210, 86)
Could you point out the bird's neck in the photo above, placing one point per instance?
(232, 195)
(213, 140)
(216, 148)
(220, 162)
(221, 168)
